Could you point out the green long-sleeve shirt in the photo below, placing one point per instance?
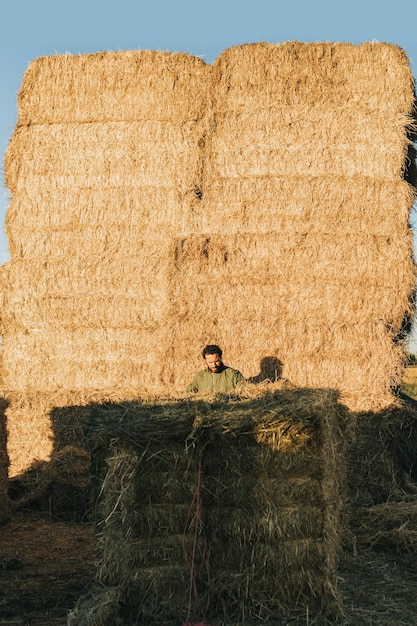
(220, 382)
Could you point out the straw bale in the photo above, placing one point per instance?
(382, 460)
(141, 515)
(251, 287)
(230, 502)
(41, 424)
(302, 204)
(294, 73)
(280, 150)
(104, 86)
(80, 321)
(296, 204)
(65, 156)
(92, 359)
(277, 531)
(388, 525)
(107, 273)
(97, 270)
(304, 140)
(108, 135)
(267, 99)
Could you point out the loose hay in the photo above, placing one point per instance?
(387, 526)
(230, 508)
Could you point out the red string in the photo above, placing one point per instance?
(191, 563)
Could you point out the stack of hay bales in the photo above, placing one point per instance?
(102, 168)
(228, 509)
(159, 204)
(305, 250)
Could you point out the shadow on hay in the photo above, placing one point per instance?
(59, 487)
(229, 508)
(410, 164)
(4, 464)
(382, 458)
(270, 371)
(382, 479)
(133, 468)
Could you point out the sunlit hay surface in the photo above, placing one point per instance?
(229, 507)
(382, 459)
(305, 253)
(103, 164)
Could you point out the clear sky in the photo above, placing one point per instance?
(33, 28)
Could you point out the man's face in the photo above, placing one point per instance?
(214, 362)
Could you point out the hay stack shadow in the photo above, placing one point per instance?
(4, 464)
(270, 371)
(58, 487)
(382, 479)
(227, 508)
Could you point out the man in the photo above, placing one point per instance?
(217, 377)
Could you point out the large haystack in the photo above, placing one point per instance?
(307, 250)
(159, 204)
(229, 509)
(102, 167)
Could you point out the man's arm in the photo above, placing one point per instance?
(239, 379)
(192, 387)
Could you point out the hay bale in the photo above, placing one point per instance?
(227, 508)
(307, 249)
(41, 424)
(4, 466)
(248, 294)
(124, 85)
(382, 460)
(104, 178)
(392, 525)
(57, 487)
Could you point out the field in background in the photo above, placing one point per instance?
(409, 384)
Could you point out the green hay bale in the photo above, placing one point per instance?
(230, 507)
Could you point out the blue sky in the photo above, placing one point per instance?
(33, 28)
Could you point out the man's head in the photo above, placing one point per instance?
(212, 355)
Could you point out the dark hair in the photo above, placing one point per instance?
(212, 349)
